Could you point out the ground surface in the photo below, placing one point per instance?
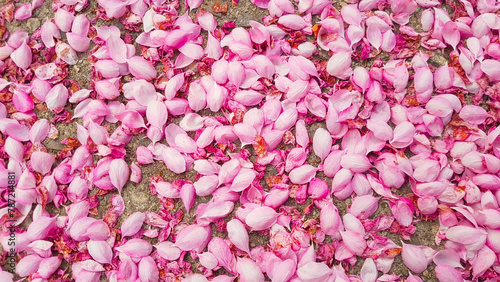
(138, 197)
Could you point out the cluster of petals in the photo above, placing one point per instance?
(271, 130)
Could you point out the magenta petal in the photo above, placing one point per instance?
(22, 101)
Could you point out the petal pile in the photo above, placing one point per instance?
(318, 129)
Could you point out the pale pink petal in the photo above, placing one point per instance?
(380, 129)
(485, 259)
(66, 53)
(403, 135)
(361, 78)
(447, 257)
(451, 35)
(357, 163)
(64, 19)
(339, 64)
(446, 273)
(141, 68)
(40, 228)
(57, 97)
(117, 49)
(174, 160)
(187, 195)
(206, 185)
(97, 230)
(473, 114)
(22, 56)
(414, 258)
(42, 162)
(369, 271)
(193, 237)
(48, 266)
(100, 251)
(238, 235)
(229, 170)
(148, 271)
(314, 272)
(330, 220)
(119, 173)
(292, 21)
(28, 265)
(168, 251)
(261, 218)
(79, 42)
(136, 248)
(248, 97)
(243, 179)
(364, 206)
(491, 68)
(302, 174)
(23, 12)
(133, 224)
(236, 73)
(353, 241)
(465, 234)
(322, 143)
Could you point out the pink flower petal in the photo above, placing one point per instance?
(148, 271)
(414, 258)
(322, 143)
(261, 218)
(238, 235)
(119, 173)
(193, 237)
(22, 56)
(136, 248)
(100, 251)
